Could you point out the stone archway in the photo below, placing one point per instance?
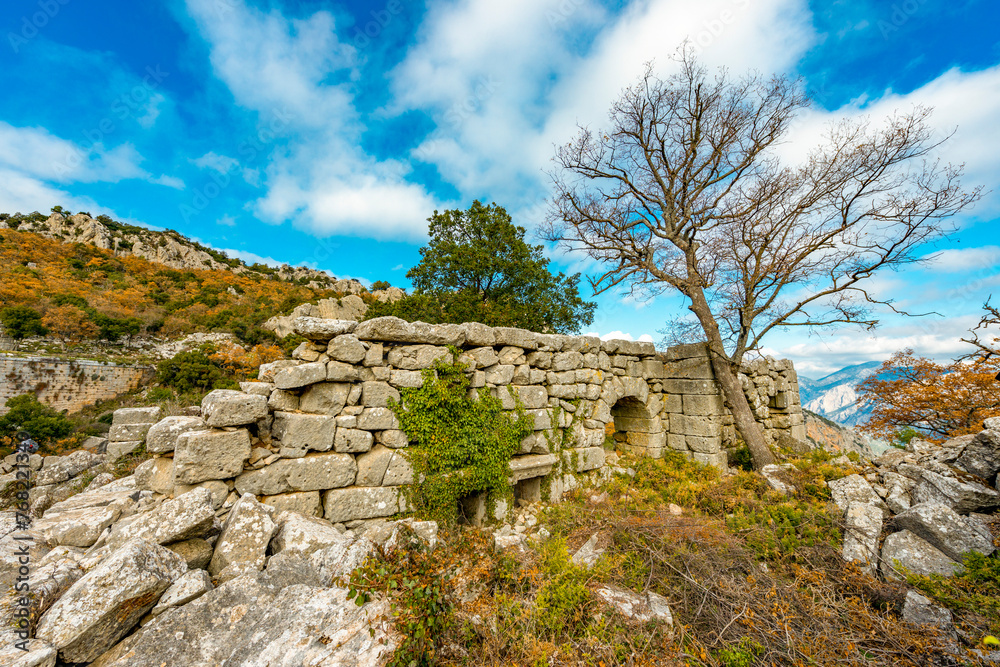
(637, 428)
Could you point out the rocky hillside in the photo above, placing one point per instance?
(168, 248)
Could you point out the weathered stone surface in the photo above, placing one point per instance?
(862, 527)
(196, 552)
(300, 431)
(378, 394)
(306, 534)
(205, 455)
(372, 466)
(191, 586)
(294, 377)
(128, 432)
(245, 535)
(346, 348)
(155, 475)
(162, 436)
(853, 489)
(107, 602)
(136, 415)
(944, 529)
(905, 550)
(315, 328)
(963, 496)
(313, 472)
(303, 502)
(185, 517)
(360, 503)
(325, 398)
(227, 407)
(638, 608)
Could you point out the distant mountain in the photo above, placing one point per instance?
(834, 397)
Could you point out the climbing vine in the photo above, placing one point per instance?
(461, 441)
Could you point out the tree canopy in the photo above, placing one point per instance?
(478, 267)
(686, 191)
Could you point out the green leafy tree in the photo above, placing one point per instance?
(477, 267)
(26, 413)
(22, 321)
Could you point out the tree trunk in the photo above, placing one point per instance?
(743, 415)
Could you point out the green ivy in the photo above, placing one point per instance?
(461, 441)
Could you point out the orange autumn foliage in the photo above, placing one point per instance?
(940, 400)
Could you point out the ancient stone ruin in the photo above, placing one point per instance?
(316, 434)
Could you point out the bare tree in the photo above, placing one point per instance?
(686, 191)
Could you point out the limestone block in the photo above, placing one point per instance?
(346, 348)
(372, 466)
(205, 455)
(303, 502)
(401, 378)
(338, 371)
(944, 529)
(183, 518)
(517, 337)
(162, 436)
(283, 400)
(128, 432)
(378, 394)
(377, 419)
(324, 398)
(582, 460)
(227, 407)
(313, 472)
(107, 602)
(393, 439)
(306, 432)
(398, 472)
(905, 550)
(136, 415)
(245, 536)
(155, 475)
(479, 335)
(360, 502)
(352, 440)
(417, 357)
(294, 377)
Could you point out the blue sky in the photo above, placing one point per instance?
(326, 133)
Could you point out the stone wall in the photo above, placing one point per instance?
(66, 384)
(316, 433)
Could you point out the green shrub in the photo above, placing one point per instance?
(460, 444)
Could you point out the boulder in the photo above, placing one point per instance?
(305, 534)
(862, 527)
(185, 517)
(107, 602)
(191, 586)
(360, 503)
(853, 489)
(162, 436)
(313, 472)
(204, 455)
(944, 529)
(245, 535)
(636, 607)
(905, 550)
(228, 407)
